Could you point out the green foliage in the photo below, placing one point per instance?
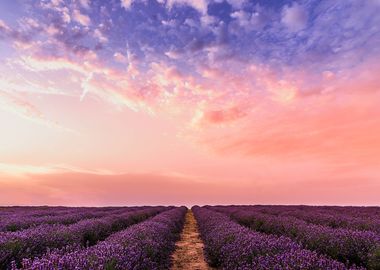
(111, 265)
(374, 260)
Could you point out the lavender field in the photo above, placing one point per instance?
(230, 237)
(190, 134)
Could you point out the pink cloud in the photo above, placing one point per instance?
(126, 3)
(336, 128)
(200, 5)
(81, 18)
(119, 57)
(225, 129)
(294, 17)
(155, 189)
(222, 116)
(288, 119)
(122, 189)
(278, 119)
(21, 107)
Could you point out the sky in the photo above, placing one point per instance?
(142, 102)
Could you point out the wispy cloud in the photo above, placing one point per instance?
(81, 18)
(317, 127)
(19, 106)
(200, 5)
(25, 170)
(84, 188)
(294, 17)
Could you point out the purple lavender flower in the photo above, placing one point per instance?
(38, 240)
(147, 245)
(231, 246)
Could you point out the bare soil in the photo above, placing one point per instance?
(189, 249)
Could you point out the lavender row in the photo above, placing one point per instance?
(336, 220)
(7, 210)
(36, 241)
(320, 215)
(16, 223)
(231, 246)
(348, 246)
(37, 211)
(368, 212)
(147, 245)
(363, 213)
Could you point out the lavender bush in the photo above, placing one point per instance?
(21, 220)
(359, 218)
(36, 241)
(231, 246)
(348, 246)
(147, 245)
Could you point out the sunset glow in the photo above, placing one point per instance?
(159, 102)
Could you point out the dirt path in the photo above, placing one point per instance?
(189, 249)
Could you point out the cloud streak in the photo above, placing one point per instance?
(126, 189)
